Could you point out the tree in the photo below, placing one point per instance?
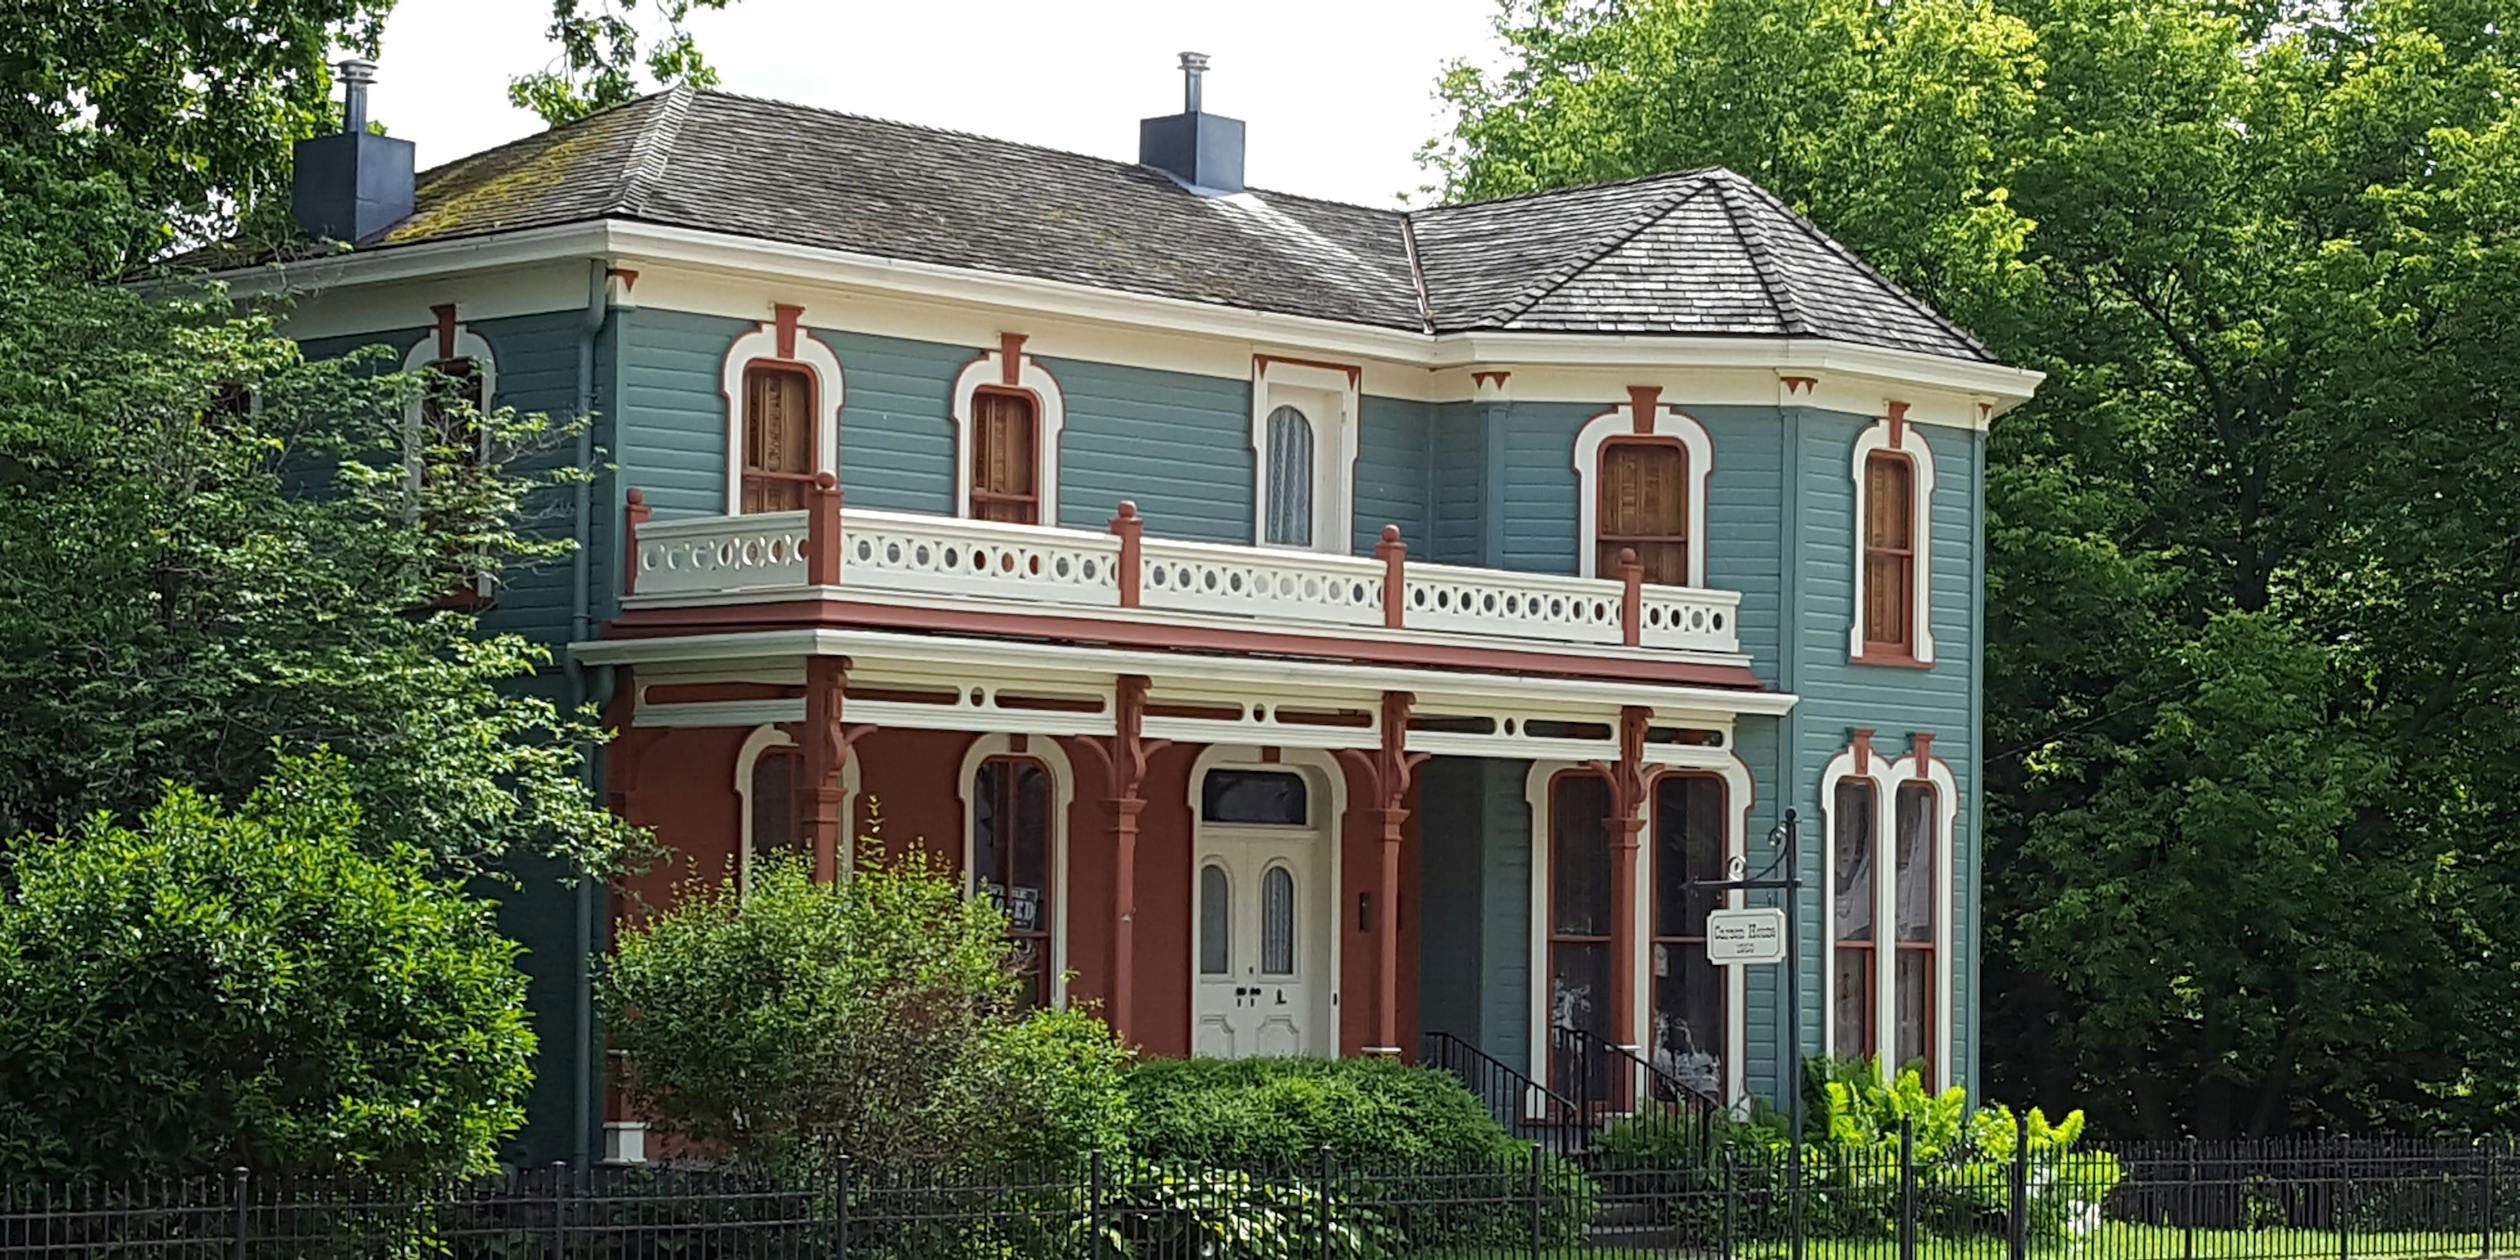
(207, 989)
(599, 62)
(2250, 621)
(212, 553)
(794, 1022)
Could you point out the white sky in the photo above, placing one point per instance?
(1338, 93)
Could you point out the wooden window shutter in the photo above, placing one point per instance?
(1005, 458)
(1644, 504)
(1889, 552)
(778, 438)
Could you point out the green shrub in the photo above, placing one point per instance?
(798, 1022)
(207, 990)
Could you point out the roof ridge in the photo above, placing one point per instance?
(651, 150)
(1762, 261)
(1893, 287)
(1693, 172)
(1550, 283)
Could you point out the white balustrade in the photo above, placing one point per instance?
(719, 555)
(1513, 605)
(943, 555)
(1690, 619)
(1276, 584)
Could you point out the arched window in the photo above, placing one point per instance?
(1889, 554)
(1216, 921)
(778, 437)
(773, 805)
(1277, 922)
(1918, 823)
(1289, 518)
(1691, 843)
(1580, 910)
(1851, 885)
(1005, 457)
(770, 802)
(1010, 860)
(1644, 506)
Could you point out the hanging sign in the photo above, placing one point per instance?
(1738, 938)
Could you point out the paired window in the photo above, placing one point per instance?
(1643, 504)
(1287, 517)
(1889, 611)
(778, 437)
(1690, 845)
(1917, 822)
(1216, 922)
(1005, 437)
(1852, 891)
(1011, 801)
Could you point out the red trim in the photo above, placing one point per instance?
(1898, 423)
(785, 315)
(1126, 525)
(633, 514)
(702, 693)
(822, 531)
(628, 277)
(1887, 656)
(445, 313)
(1395, 557)
(1485, 376)
(844, 613)
(1799, 384)
(1011, 361)
(1860, 740)
(1923, 743)
(1260, 364)
(1642, 400)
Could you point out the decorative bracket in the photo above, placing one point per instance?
(1385, 772)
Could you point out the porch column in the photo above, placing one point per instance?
(1381, 777)
(1122, 756)
(1626, 826)
(823, 740)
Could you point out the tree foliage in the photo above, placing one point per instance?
(794, 1022)
(214, 551)
(600, 59)
(2253, 548)
(208, 990)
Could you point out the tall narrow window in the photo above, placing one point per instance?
(1916, 886)
(1005, 458)
(1889, 554)
(1579, 909)
(1277, 922)
(773, 800)
(1010, 855)
(1216, 921)
(450, 410)
(778, 437)
(1852, 889)
(1689, 844)
(1290, 479)
(1644, 505)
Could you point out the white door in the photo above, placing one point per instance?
(1261, 947)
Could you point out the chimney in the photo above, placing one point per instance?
(1202, 150)
(349, 186)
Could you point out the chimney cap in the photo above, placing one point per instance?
(1194, 61)
(356, 70)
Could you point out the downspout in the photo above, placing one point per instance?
(581, 625)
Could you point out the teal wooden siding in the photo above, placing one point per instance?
(1393, 473)
(1457, 471)
(1178, 445)
(1474, 845)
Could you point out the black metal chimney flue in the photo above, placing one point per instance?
(1192, 66)
(1200, 149)
(350, 185)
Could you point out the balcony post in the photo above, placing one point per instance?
(1395, 557)
(822, 531)
(634, 515)
(1632, 598)
(1131, 531)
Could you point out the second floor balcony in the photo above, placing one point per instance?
(1126, 574)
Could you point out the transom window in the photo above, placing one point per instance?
(1288, 521)
(1690, 844)
(1255, 797)
(1889, 554)
(1916, 881)
(1005, 458)
(1852, 889)
(778, 437)
(1010, 856)
(1643, 494)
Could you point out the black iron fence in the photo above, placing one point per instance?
(1980, 1197)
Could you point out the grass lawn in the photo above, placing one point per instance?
(2115, 1241)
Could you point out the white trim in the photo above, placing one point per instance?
(1946, 818)
(468, 345)
(1330, 398)
(1874, 439)
(829, 386)
(645, 242)
(1045, 750)
(762, 739)
(1049, 419)
(1876, 772)
(1668, 422)
(1740, 793)
(1330, 824)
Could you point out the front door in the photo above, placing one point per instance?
(1261, 945)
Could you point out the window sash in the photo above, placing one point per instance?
(1915, 921)
(1289, 518)
(1889, 552)
(1642, 504)
(779, 437)
(1010, 850)
(1005, 458)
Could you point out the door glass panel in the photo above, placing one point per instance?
(1216, 922)
(1263, 797)
(1277, 922)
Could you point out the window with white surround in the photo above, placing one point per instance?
(769, 771)
(1887, 845)
(1892, 621)
(1641, 486)
(783, 390)
(1303, 443)
(462, 382)
(1016, 791)
(1008, 414)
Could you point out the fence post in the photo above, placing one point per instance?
(559, 1209)
(1531, 1184)
(1728, 1202)
(2018, 1245)
(2486, 1248)
(1094, 1205)
(2344, 1216)
(2195, 1204)
(1907, 1188)
(840, 1214)
(238, 1220)
(1325, 1201)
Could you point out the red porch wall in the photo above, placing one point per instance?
(1360, 870)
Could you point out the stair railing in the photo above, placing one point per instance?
(1518, 1102)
